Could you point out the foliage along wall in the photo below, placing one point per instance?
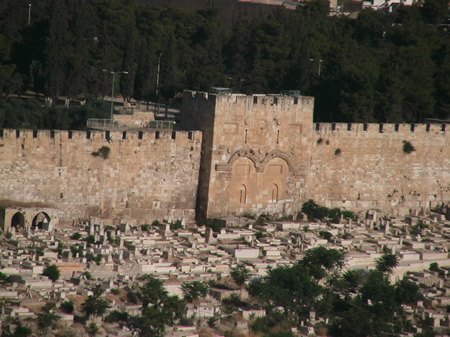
(381, 67)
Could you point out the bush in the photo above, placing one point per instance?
(102, 152)
(176, 225)
(88, 275)
(210, 223)
(314, 211)
(325, 235)
(4, 278)
(115, 291)
(408, 147)
(90, 239)
(259, 235)
(434, 266)
(145, 228)
(337, 152)
(67, 307)
(52, 272)
(115, 316)
(75, 236)
(317, 212)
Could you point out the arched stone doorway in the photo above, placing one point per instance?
(18, 221)
(40, 221)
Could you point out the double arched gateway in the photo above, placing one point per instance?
(23, 219)
(251, 181)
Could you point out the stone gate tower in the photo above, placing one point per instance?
(256, 151)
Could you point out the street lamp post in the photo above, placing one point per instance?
(157, 82)
(29, 14)
(112, 92)
(320, 63)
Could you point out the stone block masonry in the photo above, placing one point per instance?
(146, 175)
(263, 154)
(256, 151)
(365, 166)
(239, 154)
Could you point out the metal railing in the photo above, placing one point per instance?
(161, 124)
(97, 123)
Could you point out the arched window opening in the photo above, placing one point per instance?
(243, 194)
(18, 221)
(40, 221)
(274, 193)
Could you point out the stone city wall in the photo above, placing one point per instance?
(147, 175)
(263, 154)
(364, 166)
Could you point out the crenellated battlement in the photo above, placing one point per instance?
(75, 135)
(126, 176)
(247, 102)
(432, 130)
(241, 154)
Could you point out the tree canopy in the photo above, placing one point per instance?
(52, 272)
(380, 67)
(158, 307)
(194, 290)
(356, 302)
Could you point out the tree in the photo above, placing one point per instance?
(194, 290)
(22, 331)
(240, 274)
(92, 329)
(381, 294)
(322, 261)
(52, 272)
(314, 211)
(48, 319)
(407, 292)
(386, 263)
(292, 288)
(434, 266)
(94, 305)
(158, 308)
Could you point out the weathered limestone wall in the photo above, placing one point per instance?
(147, 176)
(256, 153)
(373, 171)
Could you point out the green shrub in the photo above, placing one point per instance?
(325, 235)
(52, 272)
(67, 307)
(434, 266)
(115, 316)
(210, 223)
(75, 236)
(260, 235)
(176, 225)
(115, 291)
(145, 228)
(102, 152)
(90, 239)
(408, 147)
(337, 152)
(88, 275)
